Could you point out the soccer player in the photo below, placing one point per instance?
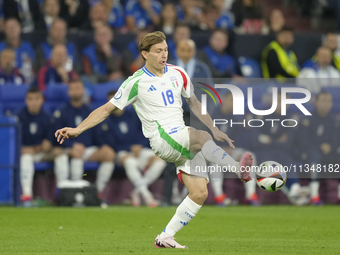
(155, 92)
(36, 144)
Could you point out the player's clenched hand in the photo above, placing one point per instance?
(65, 133)
(222, 137)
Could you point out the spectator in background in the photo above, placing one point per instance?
(100, 59)
(190, 14)
(168, 20)
(57, 35)
(24, 50)
(8, 73)
(37, 134)
(321, 74)
(115, 13)
(321, 126)
(26, 12)
(74, 12)
(142, 14)
(98, 16)
(186, 50)
(122, 131)
(331, 42)
(83, 148)
(215, 17)
(249, 16)
(50, 13)
(182, 32)
(56, 71)
(221, 64)
(276, 22)
(132, 59)
(278, 61)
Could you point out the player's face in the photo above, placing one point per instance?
(285, 38)
(219, 42)
(34, 102)
(76, 91)
(157, 56)
(185, 52)
(324, 57)
(324, 104)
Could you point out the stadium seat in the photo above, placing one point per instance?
(9, 148)
(55, 96)
(250, 68)
(12, 98)
(99, 93)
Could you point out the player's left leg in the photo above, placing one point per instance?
(202, 141)
(105, 155)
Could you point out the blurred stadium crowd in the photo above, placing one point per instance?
(61, 58)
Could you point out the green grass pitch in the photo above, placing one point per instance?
(127, 230)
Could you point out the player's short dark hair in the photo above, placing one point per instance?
(33, 90)
(151, 39)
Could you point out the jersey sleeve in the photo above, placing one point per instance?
(188, 88)
(126, 94)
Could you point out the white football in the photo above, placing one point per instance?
(270, 176)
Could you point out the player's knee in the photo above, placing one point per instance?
(108, 153)
(77, 150)
(199, 196)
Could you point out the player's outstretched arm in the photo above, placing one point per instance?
(95, 117)
(195, 106)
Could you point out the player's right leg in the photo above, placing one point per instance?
(185, 212)
(202, 141)
(26, 175)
